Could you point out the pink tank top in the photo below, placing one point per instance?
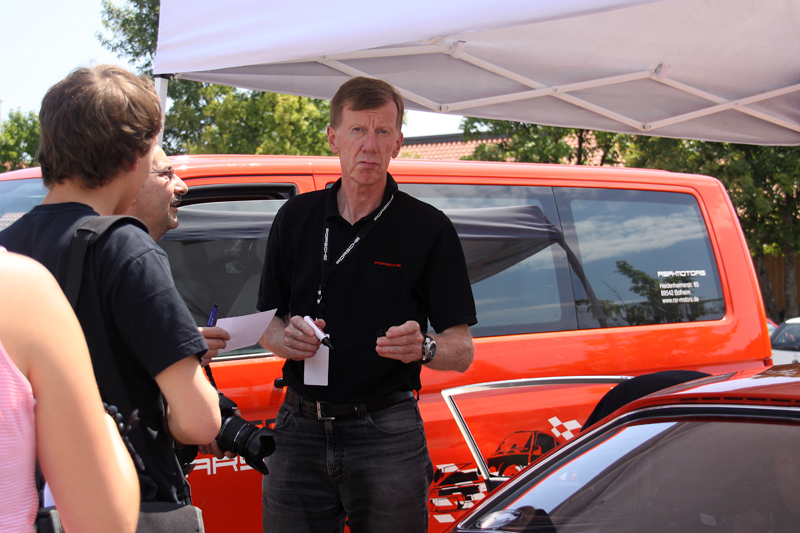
(18, 499)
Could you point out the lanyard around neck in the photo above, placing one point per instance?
(329, 268)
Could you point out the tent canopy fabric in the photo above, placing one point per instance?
(716, 70)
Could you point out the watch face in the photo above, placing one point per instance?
(428, 349)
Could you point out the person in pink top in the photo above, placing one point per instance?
(50, 409)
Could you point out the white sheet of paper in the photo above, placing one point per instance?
(315, 369)
(245, 330)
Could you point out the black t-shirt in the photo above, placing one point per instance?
(410, 266)
(130, 313)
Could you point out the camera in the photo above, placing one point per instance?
(243, 438)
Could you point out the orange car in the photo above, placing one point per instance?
(601, 272)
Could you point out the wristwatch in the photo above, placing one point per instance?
(428, 350)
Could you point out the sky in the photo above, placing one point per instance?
(44, 40)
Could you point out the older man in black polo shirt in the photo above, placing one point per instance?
(373, 265)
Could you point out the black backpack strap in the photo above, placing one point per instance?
(85, 235)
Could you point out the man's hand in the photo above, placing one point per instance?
(403, 343)
(216, 339)
(214, 449)
(454, 350)
(293, 340)
(299, 341)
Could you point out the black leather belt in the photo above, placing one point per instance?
(332, 411)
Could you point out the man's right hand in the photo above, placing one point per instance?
(295, 340)
(216, 339)
(299, 340)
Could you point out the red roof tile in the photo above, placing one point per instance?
(442, 150)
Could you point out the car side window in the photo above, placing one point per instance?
(217, 252)
(17, 197)
(509, 234)
(634, 257)
(646, 257)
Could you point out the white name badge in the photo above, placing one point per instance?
(315, 369)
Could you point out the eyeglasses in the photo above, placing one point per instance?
(169, 174)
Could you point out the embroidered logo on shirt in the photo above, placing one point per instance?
(396, 265)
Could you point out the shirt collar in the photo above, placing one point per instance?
(332, 207)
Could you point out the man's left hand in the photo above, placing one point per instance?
(403, 343)
(214, 449)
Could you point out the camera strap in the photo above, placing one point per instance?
(328, 267)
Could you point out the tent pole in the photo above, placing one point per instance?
(162, 82)
(741, 107)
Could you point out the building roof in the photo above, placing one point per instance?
(441, 147)
(453, 147)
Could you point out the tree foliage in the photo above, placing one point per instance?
(533, 143)
(19, 140)
(254, 122)
(134, 31)
(207, 118)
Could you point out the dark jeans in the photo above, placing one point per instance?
(373, 470)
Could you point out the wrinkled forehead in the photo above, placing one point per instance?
(382, 113)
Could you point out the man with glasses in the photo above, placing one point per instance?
(157, 206)
(157, 203)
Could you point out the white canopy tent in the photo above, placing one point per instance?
(717, 70)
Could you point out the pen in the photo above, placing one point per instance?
(212, 318)
(212, 321)
(318, 333)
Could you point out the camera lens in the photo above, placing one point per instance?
(251, 442)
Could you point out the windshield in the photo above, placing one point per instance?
(662, 477)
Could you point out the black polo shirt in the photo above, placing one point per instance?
(410, 266)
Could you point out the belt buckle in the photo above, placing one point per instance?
(319, 412)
